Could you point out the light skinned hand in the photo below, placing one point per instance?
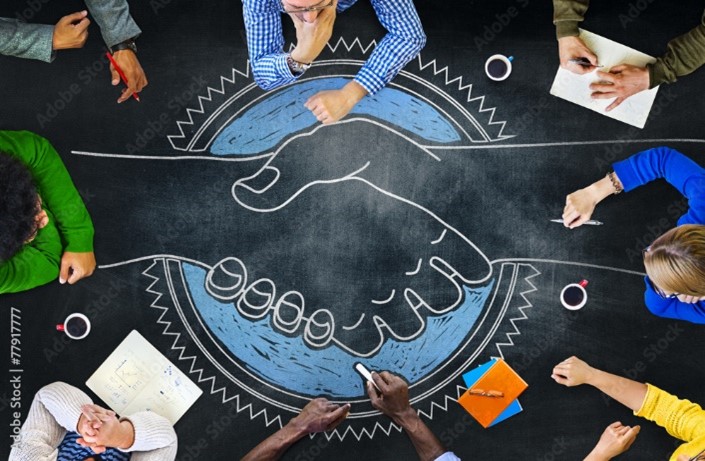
(331, 105)
(75, 266)
(130, 65)
(71, 31)
(572, 372)
(574, 48)
(579, 207)
(313, 30)
(620, 82)
(320, 415)
(688, 299)
(615, 440)
(392, 398)
(102, 429)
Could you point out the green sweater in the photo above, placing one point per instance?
(683, 55)
(70, 227)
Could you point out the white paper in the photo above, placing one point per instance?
(575, 88)
(137, 377)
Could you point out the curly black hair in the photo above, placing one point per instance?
(19, 205)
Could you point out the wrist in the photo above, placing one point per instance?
(126, 435)
(295, 429)
(601, 189)
(406, 418)
(354, 91)
(301, 57)
(595, 455)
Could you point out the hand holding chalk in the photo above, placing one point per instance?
(392, 399)
(365, 374)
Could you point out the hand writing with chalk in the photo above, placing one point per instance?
(390, 395)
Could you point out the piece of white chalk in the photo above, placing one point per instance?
(366, 374)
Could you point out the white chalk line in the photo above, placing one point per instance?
(571, 263)
(569, 143)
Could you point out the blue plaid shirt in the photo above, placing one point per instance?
(265, 42)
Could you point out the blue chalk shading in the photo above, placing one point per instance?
(262, 127)
(288, 363)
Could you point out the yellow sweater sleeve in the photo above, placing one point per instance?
(681, 418)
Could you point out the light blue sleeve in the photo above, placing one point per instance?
(448, 456)
(30, 41)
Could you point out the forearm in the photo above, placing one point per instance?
(31, 41)
(684, 54)
(427, 445)
(275, 445)
(626, 391)
(567, 14)
(113, 18)
(404, 41)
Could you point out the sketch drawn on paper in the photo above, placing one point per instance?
(137, 377)
(576, 88)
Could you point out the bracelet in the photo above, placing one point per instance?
(617, 187)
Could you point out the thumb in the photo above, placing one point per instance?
(74, 17)
(617, 69)
(592, 57)
(114, 76)
(64, 270)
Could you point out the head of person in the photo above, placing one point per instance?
(21, 214)
(675, 262)
(306, 10)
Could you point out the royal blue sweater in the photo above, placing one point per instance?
(689, 178)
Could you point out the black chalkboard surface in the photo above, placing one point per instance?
(264, 254)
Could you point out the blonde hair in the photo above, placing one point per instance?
(675, 262)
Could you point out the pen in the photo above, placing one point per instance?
(583, 62)
(590, 222)
(121, 73)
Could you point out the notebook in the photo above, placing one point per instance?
(137, 377)
(495, 375)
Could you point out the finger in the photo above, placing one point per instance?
(620, 431)
(618, 69)
(606, 76)
(76, 275)
(382, 380)
(126, 94)
(615, 425)
(632, 433)
(603, 87)
(114, 76)
(82, 26)
(74, 17)
(559, 379)
(614, 104)
(603, 95)
(340, 417)
(64, 270)
(372, 392)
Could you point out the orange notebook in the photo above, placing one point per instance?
(499, 378)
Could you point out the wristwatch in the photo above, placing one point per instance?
(297, 68)
(128, 44)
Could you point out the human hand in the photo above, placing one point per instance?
(572, 372)
(392, 398)
(620, 82)
(320, 415)
(99, 429)
(130, 65)
(75, 266)
(313, 30)
(71, 31)
(615, 440)
(332, 105)
(688, 299)
(574, 48)
(579, 207)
